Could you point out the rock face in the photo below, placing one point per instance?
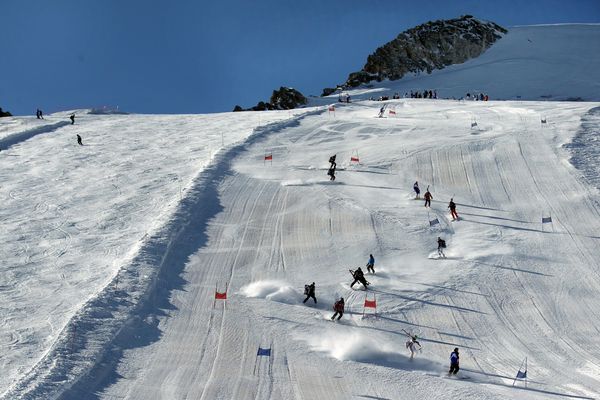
(433, 45)
(4, 113)
(283, 99)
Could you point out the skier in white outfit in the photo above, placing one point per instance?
(412, 344)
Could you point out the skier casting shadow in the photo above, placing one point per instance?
(452, 207)
(331, 172)
(309, 291)
(338, 307)
(441, 246)
(412, 344)
(428, 198)
(359, 276)
(371, 264)
(454, 359)
(79, 142)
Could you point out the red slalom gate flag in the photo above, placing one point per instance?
(392, 112)
(370, 303)
(220, 296)
(269, 157)
(355, 159)
(331, 108)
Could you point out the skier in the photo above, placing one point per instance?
(72, 118)
(331, 172)
(359, 276)
(371, 264)
(338, 307)
(417, 190)
(441, 246)
(428, 198)
(452, 207)
(412, 344)
(454, 357)
(332, 160)
(381, 111)
(309, 291)
(79, 140)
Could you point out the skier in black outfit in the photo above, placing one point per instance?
(331, 172)
(309, 291)
(72, 118)
(79, 140)
(359, 276)
(417, 190)
(332, 161)
(441, 246)
(454, 358)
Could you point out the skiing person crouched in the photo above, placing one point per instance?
(417, 190)
(454, 358)
(338, 307)
(359, 276)
(309, 291)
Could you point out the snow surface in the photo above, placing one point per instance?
(112, 251)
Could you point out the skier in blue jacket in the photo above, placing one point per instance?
(454, 357)
(371, 264)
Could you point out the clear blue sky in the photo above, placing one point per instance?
(194, 56)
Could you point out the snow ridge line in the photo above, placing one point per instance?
(16, 138)
(87, 351)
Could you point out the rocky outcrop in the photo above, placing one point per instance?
(4, 113)
(433, 45)
(283, 99)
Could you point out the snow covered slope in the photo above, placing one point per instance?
(509, 288)
(111, 252)
(542, 62)
(73, 216)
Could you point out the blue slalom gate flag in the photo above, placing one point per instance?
(546, 220)
(521, 374)
(263, 352)
(434, 221)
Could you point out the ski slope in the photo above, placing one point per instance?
(508, 289)
(111, 252)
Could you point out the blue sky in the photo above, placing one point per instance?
(194, 56)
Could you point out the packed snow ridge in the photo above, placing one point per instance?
(112, 251)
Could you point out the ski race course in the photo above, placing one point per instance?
(127, 265)
(112, 251)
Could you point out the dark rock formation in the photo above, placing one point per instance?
(433, 45)
(4, 113)
(283, 99)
